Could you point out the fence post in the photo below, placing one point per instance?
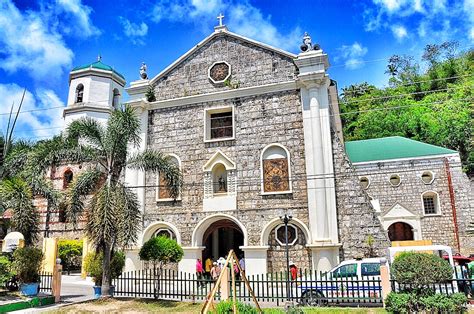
(384, 279)
(225, 287)
(56, 280)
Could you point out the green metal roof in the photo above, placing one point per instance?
(98, 65)
(393, 147)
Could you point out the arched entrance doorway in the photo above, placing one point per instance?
(221, 237)
(400, 231)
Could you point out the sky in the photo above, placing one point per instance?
(41, 41)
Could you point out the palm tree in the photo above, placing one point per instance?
(112, 212)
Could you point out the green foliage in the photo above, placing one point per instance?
(70, 253)
(420, 269)
(93, 265)
(431, 106)
(436, 303)
(27, 263)
(5, 270)
(225, 307)
(161, 250)
(150, 94)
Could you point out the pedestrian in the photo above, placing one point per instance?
(242, 264)
(293, 271)
(199, 272)
(221, 262)
(208, 266)
(215, 271)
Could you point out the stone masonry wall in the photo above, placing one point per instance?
(250, 66)
(259, 121)
(438, 228)
(357, 219)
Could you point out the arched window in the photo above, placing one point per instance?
(164, 232)
(116, 98)
(400, 231)
(162, 192)
(79, 93)
(68, 176)
(219, 179)
(430, 203)
(275, 169)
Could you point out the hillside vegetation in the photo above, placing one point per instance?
(431, 101)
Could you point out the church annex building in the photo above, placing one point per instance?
(256, 132)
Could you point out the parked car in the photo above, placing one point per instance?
(349, 282)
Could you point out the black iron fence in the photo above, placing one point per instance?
(46, 283)
(309, 288)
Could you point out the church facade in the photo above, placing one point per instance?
(256, 133)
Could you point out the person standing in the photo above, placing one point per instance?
(199, 272)
(215, 271)
(242, 263)
(208, 266)
(293, 271)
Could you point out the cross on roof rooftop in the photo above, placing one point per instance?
(220, 18)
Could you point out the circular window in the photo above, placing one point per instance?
(292, 235)
(395, 180)
(364, 182)
(219, 72)
(427, 177)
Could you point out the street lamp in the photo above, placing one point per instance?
(286, 219)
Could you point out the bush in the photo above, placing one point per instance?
(418, 270)
(93, 266)
(27, 263)
(161, 250)
(225, 307)
(5, 270)
(70, 253)
(437, 303)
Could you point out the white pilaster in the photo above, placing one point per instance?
(255, 259)
(188, 262)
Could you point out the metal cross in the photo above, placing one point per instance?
(220, 17)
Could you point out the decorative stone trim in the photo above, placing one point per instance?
(211, 71)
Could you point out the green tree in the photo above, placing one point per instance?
(113, 214)
(160, 251)
(70, 253)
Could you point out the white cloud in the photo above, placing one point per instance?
(27, 43)
(134, 31)
(32, 124)
(352, 55)
(80, 17)
(240, 17)
(399, 31)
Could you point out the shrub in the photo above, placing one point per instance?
(5, 270)
(436, 303)
(161, 250)
(418, 270)
(70, 253)
(27, 263)
(93, 266)
(225, 307)
(399, 302)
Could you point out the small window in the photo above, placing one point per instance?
(62, 216)
(116, 98)
(370, 269)
(162, 192)
(275, 170)
(364, 182)
(79, 93)
(164, 232)
(349, 270)
(67, 178)
(219, 124)
(292, 235)
(430, 203)
(395, 180)
(427, 177)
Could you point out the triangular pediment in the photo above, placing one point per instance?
(398, 211)
(219, 158)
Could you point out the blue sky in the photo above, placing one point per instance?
(41, 41)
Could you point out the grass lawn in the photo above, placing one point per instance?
(152, 306)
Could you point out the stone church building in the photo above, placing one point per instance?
(256, 132)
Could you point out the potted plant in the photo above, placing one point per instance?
(93, 266)
(26, 264)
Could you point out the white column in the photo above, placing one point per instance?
(324, 258)
(255, 259)
(188, 262)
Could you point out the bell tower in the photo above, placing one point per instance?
(94, 90)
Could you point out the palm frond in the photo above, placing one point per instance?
(87, 129)
(16, 195)
(128, 208)
(151, 160)
(82, 185)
